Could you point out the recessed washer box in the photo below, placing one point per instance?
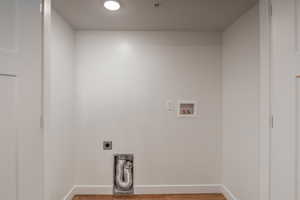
(187, 109)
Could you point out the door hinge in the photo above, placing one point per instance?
(41, 122)
(272, 121)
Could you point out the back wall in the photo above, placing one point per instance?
(124, 80)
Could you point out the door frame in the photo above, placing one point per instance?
(46, 59)
(265, 116)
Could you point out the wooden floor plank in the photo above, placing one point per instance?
(153, 197)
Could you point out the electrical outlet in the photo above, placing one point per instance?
(107, 145)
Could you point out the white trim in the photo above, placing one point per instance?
(227, 193)
(149, 189)
(265, 99)
(92, 189)
(177, 189)
(70, 194)
(297, 33)
(297, 141)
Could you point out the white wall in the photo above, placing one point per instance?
(59, 161)
(240, 116)
(124, 80)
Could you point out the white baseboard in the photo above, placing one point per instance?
(177, 189)
(153, 189)
(70, 194)
(227, 193)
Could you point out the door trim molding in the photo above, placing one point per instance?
(296, 138)
(297, 28)
(265, 99)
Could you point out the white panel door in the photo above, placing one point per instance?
(20, 56)
(285, 165)
(8, 139)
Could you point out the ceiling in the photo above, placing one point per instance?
(181, 15)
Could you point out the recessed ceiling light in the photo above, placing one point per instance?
(112, 5)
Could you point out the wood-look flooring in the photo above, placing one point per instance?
(153, 197)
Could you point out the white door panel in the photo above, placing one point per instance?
(285, 66)
(8, 25)
(8, 139)
(20, 54)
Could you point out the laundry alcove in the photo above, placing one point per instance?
(121, 76)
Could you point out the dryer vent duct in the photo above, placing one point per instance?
(123, 174)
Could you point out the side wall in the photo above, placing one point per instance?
(240, 116)
(59, 156)
(124, 82)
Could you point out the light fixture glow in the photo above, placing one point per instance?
(112, 5)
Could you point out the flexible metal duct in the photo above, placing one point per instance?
(124, 174)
